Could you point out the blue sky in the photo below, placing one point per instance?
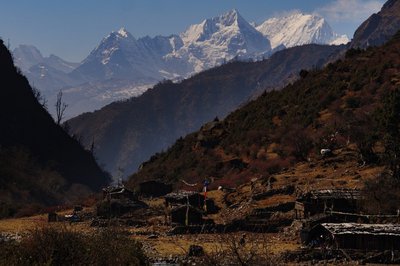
(72, 28)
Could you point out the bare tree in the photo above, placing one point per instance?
(60, 108)
(245, 249)
(39, 97)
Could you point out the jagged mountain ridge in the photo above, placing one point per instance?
(210, 43)
(120, 55)
(138, 64)
(200, 47)
(220, 39)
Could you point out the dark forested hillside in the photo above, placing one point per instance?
(40, 163)
(338, 106)
(127, 133)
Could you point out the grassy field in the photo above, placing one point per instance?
(21, 225)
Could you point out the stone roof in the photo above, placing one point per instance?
(362, 229)
(183, 194)
(336, 193)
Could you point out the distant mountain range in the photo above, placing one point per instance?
(122, 66)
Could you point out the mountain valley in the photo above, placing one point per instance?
(230, 143)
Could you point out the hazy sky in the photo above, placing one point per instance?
(72, 28)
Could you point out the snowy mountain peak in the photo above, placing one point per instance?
(123, 33)
(228, 24)
(298, 28)
(229, 18)
(230, 21)
(221, 38)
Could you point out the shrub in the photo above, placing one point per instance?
(62, 246)
(250, 249)
(353, 102)
(381, 195)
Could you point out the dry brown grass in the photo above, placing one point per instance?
(18, 225)
(340, 171)
(27, 224)
(166, 246)
(156, 203)
(325, 116)
(218, 197)
(274, 200)
(271, 151)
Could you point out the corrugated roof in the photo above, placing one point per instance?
(362, 229)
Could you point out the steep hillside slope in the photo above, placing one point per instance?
(128, 133)
(337, 107)
(40, 162)
(380, 27)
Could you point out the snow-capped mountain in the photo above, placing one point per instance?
(122, 66)
(120, 55)
(298, 29)
(137, 64)
(220, 39)
(201, 46)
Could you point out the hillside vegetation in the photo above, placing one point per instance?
(352, 102)
(129, 132)
(40, 164)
